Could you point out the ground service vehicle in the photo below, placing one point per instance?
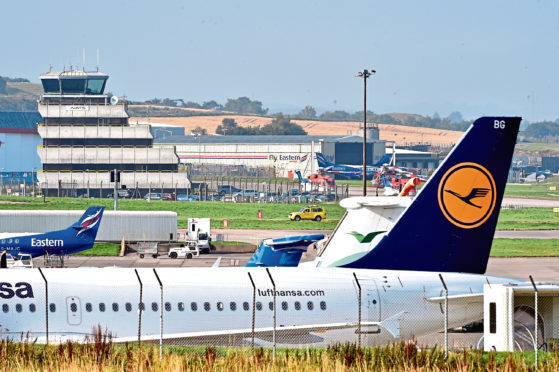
(310, 212)
(147, 248)
(188, 250)
(199, 230)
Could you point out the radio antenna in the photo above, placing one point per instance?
(97, 59)
(83, 59)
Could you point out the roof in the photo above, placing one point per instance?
(72, 74)
(284, 139)
(19, 121)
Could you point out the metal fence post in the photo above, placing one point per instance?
(445, 317)
(253, 310)
(46, 304)
(359, 311)
(160, 316)
(535, 323)
(274, 329)
(140, 309)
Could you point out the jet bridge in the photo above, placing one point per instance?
(510, 321)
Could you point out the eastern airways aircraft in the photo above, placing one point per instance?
(78, 237)
(346, 172)
(440, 233)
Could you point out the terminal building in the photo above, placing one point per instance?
(282, 156)
(85, 134)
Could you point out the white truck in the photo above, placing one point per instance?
(199, 230)
(188, 250)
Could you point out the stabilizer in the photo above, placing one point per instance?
(450, 225)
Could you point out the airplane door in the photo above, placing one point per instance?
(73, 310)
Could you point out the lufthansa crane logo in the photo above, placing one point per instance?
(467, 195)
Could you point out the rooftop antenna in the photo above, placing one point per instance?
(83, 59)
(50, 67)
(97, 59)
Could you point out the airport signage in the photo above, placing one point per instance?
(287, 157)
(77, 108)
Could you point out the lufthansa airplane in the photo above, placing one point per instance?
(397, 282)
(78, 237)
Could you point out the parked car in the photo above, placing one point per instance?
(153, 196)
(310, 212)
(227, 190)
(167, 196)
(122, 194)
(326, 197)
(184, 197)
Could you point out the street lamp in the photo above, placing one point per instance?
(365, 74)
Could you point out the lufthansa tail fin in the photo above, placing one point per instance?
(450, 225)
(88, 224)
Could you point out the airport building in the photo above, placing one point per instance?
(85, 134)
(283, 154)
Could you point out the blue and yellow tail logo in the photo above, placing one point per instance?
(467, 195)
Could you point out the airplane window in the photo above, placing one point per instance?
(73, 307)
(128, 306)
(16, 241)
(115, 306)
(271, 305)
(3, 241)
(259, 306)
(154, 306)
(322, 305)
(297, 305)
(52, 308)
(193, 306)
(233, 306)
(101, 307)
(167, 306)
(6, 308)
(207, 306)
(88, 307)
(220, 306)
(284, 305)
(310, 305)
(180, 306)
(19, 308)
(32, 308)
(10, 240)
(142, 306)
(246, 306)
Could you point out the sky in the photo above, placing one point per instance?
(477, 57)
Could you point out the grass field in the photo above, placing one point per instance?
(525, 248)
(101, 249)
(534, 189)
(102, 355)
(239, 215)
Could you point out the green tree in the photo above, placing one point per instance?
(210, 105)
(199, 131)
(191, 104)
(244, 105)
(335, 116)
(282, 126)
(308, 112)
(227, 127)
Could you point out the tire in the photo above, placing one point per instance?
(318, 218)
(173, 255)
(188, 256)
(141, 255)
(297, 218)
(154, 255)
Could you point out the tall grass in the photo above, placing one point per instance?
(100, 354)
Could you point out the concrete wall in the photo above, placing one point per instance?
(18, 152)
(133, 226)
(82, 111)
(143, 180)
(90, 131)
(107, 155)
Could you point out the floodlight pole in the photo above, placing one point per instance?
(365, 74)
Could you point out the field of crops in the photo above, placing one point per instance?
(101, 355)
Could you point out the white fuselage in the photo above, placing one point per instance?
(203, 302)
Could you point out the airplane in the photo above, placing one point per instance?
(346, 172)
(391, 292)
(285, 252)
(78, 237)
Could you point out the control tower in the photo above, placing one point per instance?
(86, 135)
